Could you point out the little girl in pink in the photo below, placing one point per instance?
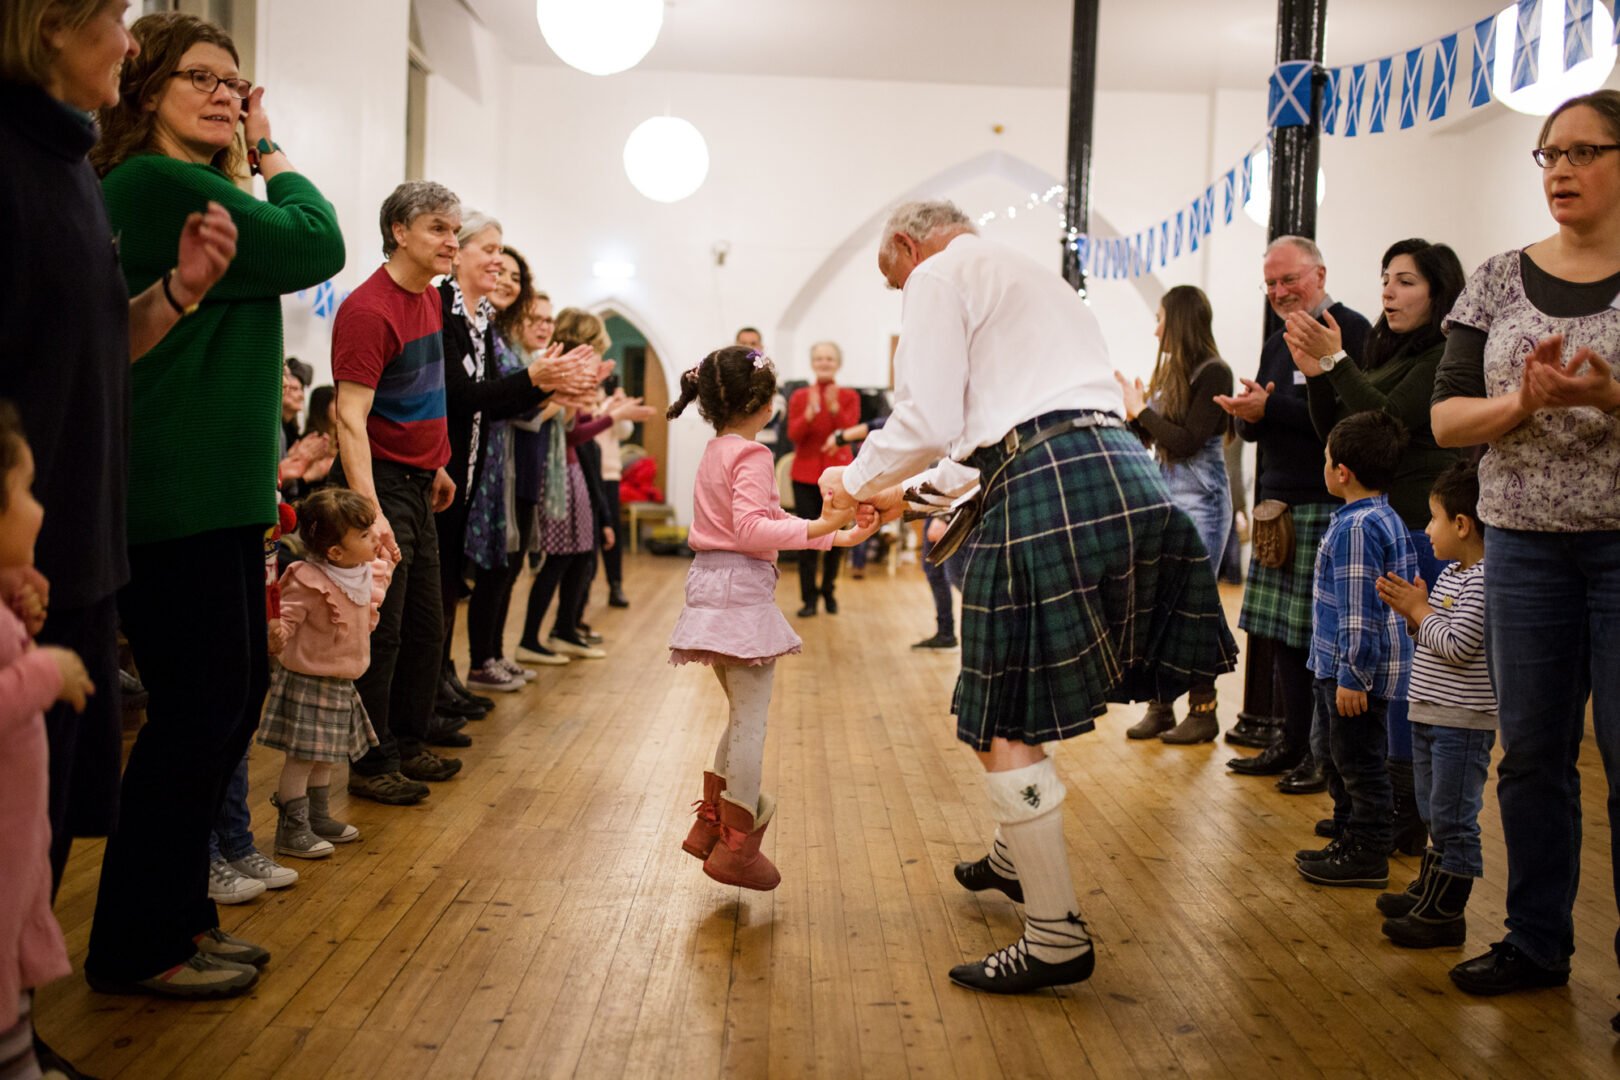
(731, 621)
(32, 679)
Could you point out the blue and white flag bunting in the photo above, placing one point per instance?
(1577, 32)
(1479, 92)
(1412, 74)
(1442, 76)
(1429, 73)
(1291, 94)
(1527, 45)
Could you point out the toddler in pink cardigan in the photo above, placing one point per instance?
(32, 678)
(731, 621)
(329, 606)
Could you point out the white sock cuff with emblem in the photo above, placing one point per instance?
(1024, 794)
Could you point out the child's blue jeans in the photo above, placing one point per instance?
(1449, 768)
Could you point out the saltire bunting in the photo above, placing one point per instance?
(1380, 103)
(1246, 178)
(1352, 100)
(1228, 195)
(1527, 45)
(1291, 94)
(1442, 75)
(1479, 91)
(1411, 76)
(1577, 32)
(1330, 100)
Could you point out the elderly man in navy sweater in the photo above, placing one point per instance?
(1273, 412)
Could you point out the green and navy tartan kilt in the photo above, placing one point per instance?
(1084, 585)
(1277, 601)
(315, 717)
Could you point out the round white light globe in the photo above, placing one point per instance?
(1259, 205)
(666, 158)
(600, 37)
(1553, 85)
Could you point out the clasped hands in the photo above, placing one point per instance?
(885, 506)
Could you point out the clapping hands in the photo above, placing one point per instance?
(572, 377)
(1550, 382)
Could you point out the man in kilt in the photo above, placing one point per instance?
(1083, 584)
(1274, 413)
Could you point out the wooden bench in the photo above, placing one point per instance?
(637, 512)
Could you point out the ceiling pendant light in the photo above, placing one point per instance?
(666, 158)
(600, 37)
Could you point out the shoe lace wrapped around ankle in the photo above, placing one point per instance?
(1071, 929)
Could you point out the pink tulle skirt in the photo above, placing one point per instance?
(731, 615)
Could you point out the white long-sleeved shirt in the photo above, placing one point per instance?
(989, 338)
(1451, 680)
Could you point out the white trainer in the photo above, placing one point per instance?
(227, 885)
(569, 648)
(262, 868)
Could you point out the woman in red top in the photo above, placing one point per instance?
(817, 413)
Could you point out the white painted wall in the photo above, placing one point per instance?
(340, 112)
(800, 167)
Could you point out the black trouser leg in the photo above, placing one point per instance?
(540, 594)
(86, 749)
(1295, 681)
(830, 562)
(574, 589)
(613, 557)
(807, 504)
(1259, 676)
(399, 687)
(451, 527)
(486, 607)
(194, 613)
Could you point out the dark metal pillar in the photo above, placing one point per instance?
(1296, 151)
(1082, 104)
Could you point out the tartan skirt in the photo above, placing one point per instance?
(315, 718)
(1084, 585)
(1277, 601)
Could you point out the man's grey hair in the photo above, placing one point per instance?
(410, 201)
(473, 223)
(923, 219)
(1303, 245)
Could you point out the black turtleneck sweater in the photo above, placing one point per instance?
(64, 342)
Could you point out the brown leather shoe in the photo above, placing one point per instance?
(736, 859)
(1159, 718)
(705, 831)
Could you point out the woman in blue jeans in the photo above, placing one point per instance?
(1529, 371)
(1176, 414)
(1420, 283)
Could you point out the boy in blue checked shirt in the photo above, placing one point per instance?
(1361, 654)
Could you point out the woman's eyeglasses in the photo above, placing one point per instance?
(1579, 155)
(208, 82)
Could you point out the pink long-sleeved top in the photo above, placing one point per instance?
(328, 634)
(32, 952)
(736, 507)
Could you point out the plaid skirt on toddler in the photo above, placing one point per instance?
(1084, 585)
(315, 718)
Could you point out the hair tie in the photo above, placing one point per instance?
(760, 359)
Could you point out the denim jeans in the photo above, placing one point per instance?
(1554, 617)
(232, 837)
(1200, 487)
(1449, 768)
(941, 580)
(1400, 725)
(1351, 750)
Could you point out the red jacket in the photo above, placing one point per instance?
(809, 436)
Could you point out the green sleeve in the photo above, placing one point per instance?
(1407, 400)
(288, 242)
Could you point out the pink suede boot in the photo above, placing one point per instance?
(705, 831)
(736, 860)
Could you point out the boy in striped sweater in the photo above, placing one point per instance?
(1453, 716)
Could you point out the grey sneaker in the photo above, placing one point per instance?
(516, 670)
(203, 976)
(293, 835)
(262, 868)
(222, 946)
(228, 885)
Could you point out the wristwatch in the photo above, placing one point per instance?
(263, 148)
(838, 437)
(1330, 362)
(168, 294)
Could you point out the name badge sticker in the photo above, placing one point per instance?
(1615, 303)
(1299, 377)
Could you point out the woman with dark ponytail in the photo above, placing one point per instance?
(731, 621)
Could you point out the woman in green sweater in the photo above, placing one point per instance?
(1421, 283)
(205, 416)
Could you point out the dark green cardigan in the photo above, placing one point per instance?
(206, 400)
(1401, 387)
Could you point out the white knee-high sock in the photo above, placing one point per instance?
(1028, 804)
(749, 690)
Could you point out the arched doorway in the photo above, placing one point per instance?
(641, 373)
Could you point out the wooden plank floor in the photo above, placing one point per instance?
(536, 916)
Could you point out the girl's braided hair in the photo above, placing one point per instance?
(730, 383)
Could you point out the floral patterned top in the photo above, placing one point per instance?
(1559, 471)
